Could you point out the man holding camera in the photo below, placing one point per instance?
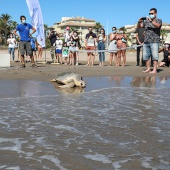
(152, 38)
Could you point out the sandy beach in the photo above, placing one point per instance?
(46, 72)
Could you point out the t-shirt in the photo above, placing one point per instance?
(140, 32)
(24, 31)
(59, 44)
(67, 36)
(90, 39)
(100, 37)
(65, 51)
(152, 33)
(11, 42)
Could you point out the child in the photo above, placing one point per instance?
(65, 50)
(72, 50)
(58, 51)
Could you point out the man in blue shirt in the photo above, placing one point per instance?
(24, 36)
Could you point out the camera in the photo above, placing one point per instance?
(143, 18)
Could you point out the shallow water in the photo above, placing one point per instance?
(115, 123)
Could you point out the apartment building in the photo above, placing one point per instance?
(80, 24)
(130, 30)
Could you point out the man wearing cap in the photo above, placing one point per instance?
(151, 40)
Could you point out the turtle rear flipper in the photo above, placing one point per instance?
(69, 85)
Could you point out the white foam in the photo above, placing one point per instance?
(145, 164)
(55, 160)
(16, 147)
(117, 164)
(14, 168)
(68, 128)
(164, 162)
(156, 129)
(98, 157)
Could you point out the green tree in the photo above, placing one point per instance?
(46, 32)
(98, 26)
(123, 29)
(13, 25)
(1, 30)
(6, 22)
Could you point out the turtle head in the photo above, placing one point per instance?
(53, 80)
(80, 83)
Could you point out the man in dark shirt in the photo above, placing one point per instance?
(139, 40)
(52, 38)
(90, 44)
(151, 40)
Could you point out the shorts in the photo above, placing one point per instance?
(150, 49)
(58, 51)
(77, 49)
(65, 55)
(90, 48)
(25, 46)
(72, 49)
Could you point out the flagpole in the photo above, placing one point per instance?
(107, 35)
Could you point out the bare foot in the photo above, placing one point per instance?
(87, 65)
(153, 72)
(147, 71)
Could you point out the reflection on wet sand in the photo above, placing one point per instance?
(75, 90)
(144, 81)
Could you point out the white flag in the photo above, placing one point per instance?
(37, 20)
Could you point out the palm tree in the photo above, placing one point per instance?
(46, 32)
(46, 29)
(123, 29)
(98, 26)
(6, 23)
(1, 29)
(13, 25)
(163, 34)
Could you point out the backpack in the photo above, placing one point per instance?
(33, 44)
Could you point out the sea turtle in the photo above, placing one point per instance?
(69, 80)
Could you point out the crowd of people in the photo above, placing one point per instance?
(67, 51)
(147, 40)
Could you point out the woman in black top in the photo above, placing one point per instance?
(139, 40)
(166, 51)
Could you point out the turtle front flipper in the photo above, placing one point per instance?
(69, 85)
(53, 80)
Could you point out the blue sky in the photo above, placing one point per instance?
(117, 12)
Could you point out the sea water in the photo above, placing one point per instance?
(114, 123)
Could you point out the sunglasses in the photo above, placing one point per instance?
(151, 13)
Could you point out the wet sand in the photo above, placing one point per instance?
(46, 72)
